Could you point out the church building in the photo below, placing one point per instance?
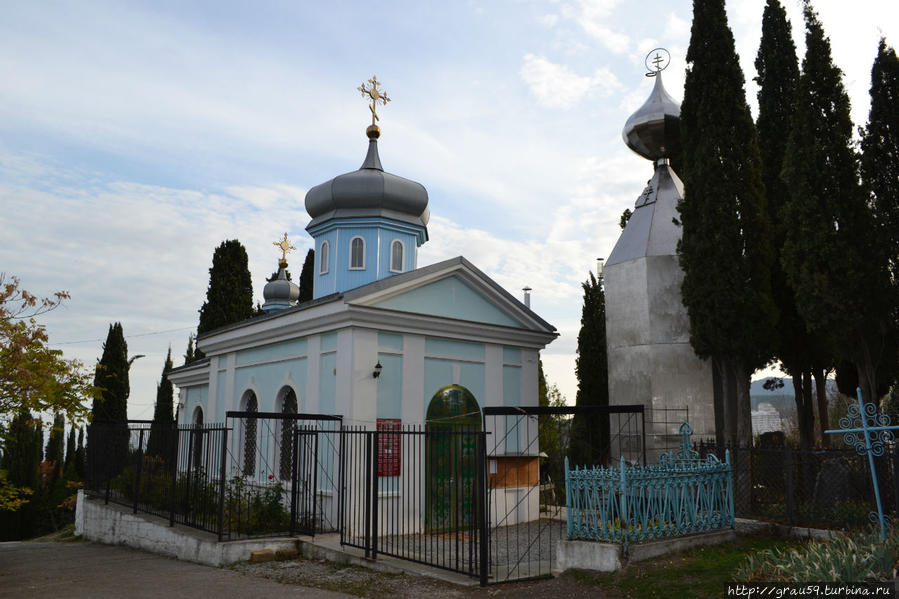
(381, 337)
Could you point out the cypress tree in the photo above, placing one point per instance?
(799, 352)
(880, 150)
(229, 297)
(108, 436)
(306, 281)
(22, 451)
(880, 176)
(590, 433)
(163, 415)
(832, 255)
(54, 450)
(80, 454)
(190, 355)
(70, 447)
(111, 377)
(725, 251)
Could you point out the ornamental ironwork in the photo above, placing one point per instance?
(679, 496)
(868, 431)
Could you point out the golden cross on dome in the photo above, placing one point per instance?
(285, 247)
(376, 96)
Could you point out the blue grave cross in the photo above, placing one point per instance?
(869, 432)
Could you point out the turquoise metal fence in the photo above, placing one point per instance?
(679, 496)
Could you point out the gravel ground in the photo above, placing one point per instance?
(368, 583)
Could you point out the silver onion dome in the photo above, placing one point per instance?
(369, 191)
(280, 292)
(654, 130)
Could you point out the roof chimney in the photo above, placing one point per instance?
(527, 296)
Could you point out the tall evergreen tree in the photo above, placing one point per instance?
(726, 250)
(70, 447)
(831, 254)
(229, 297)
(22, 451)
(306, 277)
(108, 435)
(112, 377)
(54, 450)
(802, 354)
(590, 433)
(880, 150)
(549, 432)
(190, 355)
(80, 454)
(161, 429)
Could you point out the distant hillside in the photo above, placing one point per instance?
(781, 398)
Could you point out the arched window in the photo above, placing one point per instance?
(197, 434)
(323, 257)
(397, 255)
(357, 253)
(251, 404)
(288, 427)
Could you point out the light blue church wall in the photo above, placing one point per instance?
(221, 402)
(450, 297)
(447, 348)
(386, 240)
(266, 380)
(197, 396)
(349, 279)
(390, 386)
(439, 372)
(327, 396)
(275, 351)
(325, 284)
(378, 233)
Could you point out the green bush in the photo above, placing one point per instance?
(842, 558)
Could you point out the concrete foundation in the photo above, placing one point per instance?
(609, 557)
(116, 525)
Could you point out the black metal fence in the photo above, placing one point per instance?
(261, 475)
(171, 472)
(417, 494)
(826, 488)
(526, 450)
(282, 471)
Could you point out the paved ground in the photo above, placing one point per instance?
(91, 570)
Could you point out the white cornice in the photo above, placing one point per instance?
(191, 375)
(354, 309)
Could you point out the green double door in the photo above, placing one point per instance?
(453, 425)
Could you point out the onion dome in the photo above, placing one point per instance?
(280, 292)
(368, 192)
(654, 130)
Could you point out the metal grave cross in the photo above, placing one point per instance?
(869, 432)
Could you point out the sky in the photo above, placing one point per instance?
(135, 137)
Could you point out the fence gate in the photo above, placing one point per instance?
(525, 454)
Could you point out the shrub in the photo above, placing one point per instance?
(842, 558)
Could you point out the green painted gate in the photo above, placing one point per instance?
(451, 468)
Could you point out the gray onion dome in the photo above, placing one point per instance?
(369, 191)
(280, 293)
(654, 130)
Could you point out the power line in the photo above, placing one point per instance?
(126, 336)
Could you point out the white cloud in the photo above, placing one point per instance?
(593, 16)
(557, 86)
(549, 20)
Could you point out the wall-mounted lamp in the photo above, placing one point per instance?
(600, 267)
(377, 371)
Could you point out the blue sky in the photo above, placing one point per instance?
(135, 137)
